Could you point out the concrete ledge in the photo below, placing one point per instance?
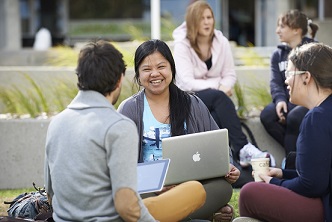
(22, 145)
(23, 57)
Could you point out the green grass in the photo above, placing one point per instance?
(9, 195)
(234, 201)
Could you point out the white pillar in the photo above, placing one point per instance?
(155, 19)
(10, 25)
(321, 10)
(259, 28)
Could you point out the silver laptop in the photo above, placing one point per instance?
(196, 156)
(151, 175)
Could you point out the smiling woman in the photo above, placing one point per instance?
(162, 110)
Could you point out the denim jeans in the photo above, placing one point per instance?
(224, 113)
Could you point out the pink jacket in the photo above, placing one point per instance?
(192, 73)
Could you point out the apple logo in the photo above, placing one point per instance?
(196, 157)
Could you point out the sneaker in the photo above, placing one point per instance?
(272, 161)
(249, 151)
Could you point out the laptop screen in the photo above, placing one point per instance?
(197, 156)
(151, 175)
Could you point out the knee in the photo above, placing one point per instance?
(252, 192)
(247, 192)
(178, 202)
(192, 187)
(247, 197)
(267, 114)
(227, 100)
(293, 121)
(190, 191)
(221, 98)
(227, 189)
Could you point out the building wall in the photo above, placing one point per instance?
(264, 18)
(325, 31)
(266, 14)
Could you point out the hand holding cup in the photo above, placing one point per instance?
(260, 166)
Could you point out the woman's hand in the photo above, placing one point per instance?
(281, 109)
(227, 90)
(233, 175)
(273, 172)
(266, 178)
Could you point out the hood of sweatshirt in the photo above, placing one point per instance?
(180, 32)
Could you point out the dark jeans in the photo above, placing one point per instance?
(285, 134)
(223, 111)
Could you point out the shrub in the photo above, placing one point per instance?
(35, 100)
(49, 99)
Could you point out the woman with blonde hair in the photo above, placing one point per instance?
(204, 65)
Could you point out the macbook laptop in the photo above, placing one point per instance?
(196, 156)
(151, 175)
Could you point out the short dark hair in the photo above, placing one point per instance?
(100, 66)
(315, 58)
(179, 100)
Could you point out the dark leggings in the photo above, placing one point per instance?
(224, 113)
(268, 202)
(285, 134)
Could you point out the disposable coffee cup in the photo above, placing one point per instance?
(260, 166)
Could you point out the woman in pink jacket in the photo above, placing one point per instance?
(204, 65)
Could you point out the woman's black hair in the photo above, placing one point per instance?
(179, 101)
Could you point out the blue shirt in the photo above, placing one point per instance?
(154, 132)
